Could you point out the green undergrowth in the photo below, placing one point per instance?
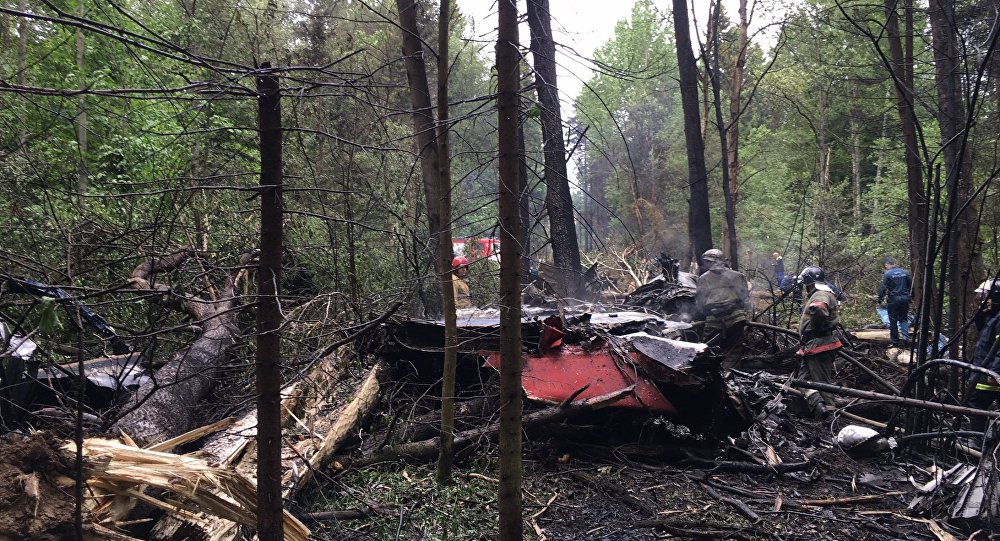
(413, 505)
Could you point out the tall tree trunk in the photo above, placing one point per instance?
(508, 68)
(964, 263)
(447, 449)
(423, 122)
(524, 205)
(81, 119)
(22, 53)
(879, 168)
(855, 128)
(736, 108)
(558, 200)
(705, 78)
(699, 222)
(712, 68)
(268, 366)
(901, 56)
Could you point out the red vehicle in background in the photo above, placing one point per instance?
(476, 248)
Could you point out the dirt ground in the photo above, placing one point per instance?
(36, 490)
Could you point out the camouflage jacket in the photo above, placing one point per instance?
(722, 295)
(818, 322)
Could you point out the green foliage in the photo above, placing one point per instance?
(431, 511)
(48, 319)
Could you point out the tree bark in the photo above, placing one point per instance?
(163, 407)
(735, 113)
(902, 75)
(446, 452)
(81, 120)
(508, 68)
(963, 261)
(423, 123)
(558, 200)
(699, 222)
(712, 68)
(22, 53)
(268, 357)
(524, 206)
(856, 168)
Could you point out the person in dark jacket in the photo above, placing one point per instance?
(984, 390)
(989, 303)
(723, 300)
(895, 288)
(818, 343)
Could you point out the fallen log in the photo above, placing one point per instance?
(347, 422)
(891, 399)
(846, 500)
(735, 503)
(236, 448)
(164, 406)
(427, 449)
(195, 485)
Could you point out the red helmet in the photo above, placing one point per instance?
(459, 261)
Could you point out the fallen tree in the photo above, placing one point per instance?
(163, 407)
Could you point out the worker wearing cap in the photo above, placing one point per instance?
(818, 343)
(895, 288)
(460, 282)
(723, 300)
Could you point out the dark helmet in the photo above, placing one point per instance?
(811, 275)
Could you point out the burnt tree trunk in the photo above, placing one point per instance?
(268, 365)
(508, 68)
(423, 127)
(164, 407)
(699, 222)
(558, 201)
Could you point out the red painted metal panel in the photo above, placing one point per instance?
(554, 376)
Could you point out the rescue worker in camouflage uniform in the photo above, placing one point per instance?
(818, 343)
(723, 300)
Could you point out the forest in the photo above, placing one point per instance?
(231, 232)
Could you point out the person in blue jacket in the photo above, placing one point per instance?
(895, 289)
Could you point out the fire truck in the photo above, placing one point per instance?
(474, 248)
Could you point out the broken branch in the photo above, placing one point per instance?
(910, 402)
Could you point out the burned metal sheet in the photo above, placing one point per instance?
(673, 354)
(112, 372)
(554, 376)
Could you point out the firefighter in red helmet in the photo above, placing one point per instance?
(460, 282)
